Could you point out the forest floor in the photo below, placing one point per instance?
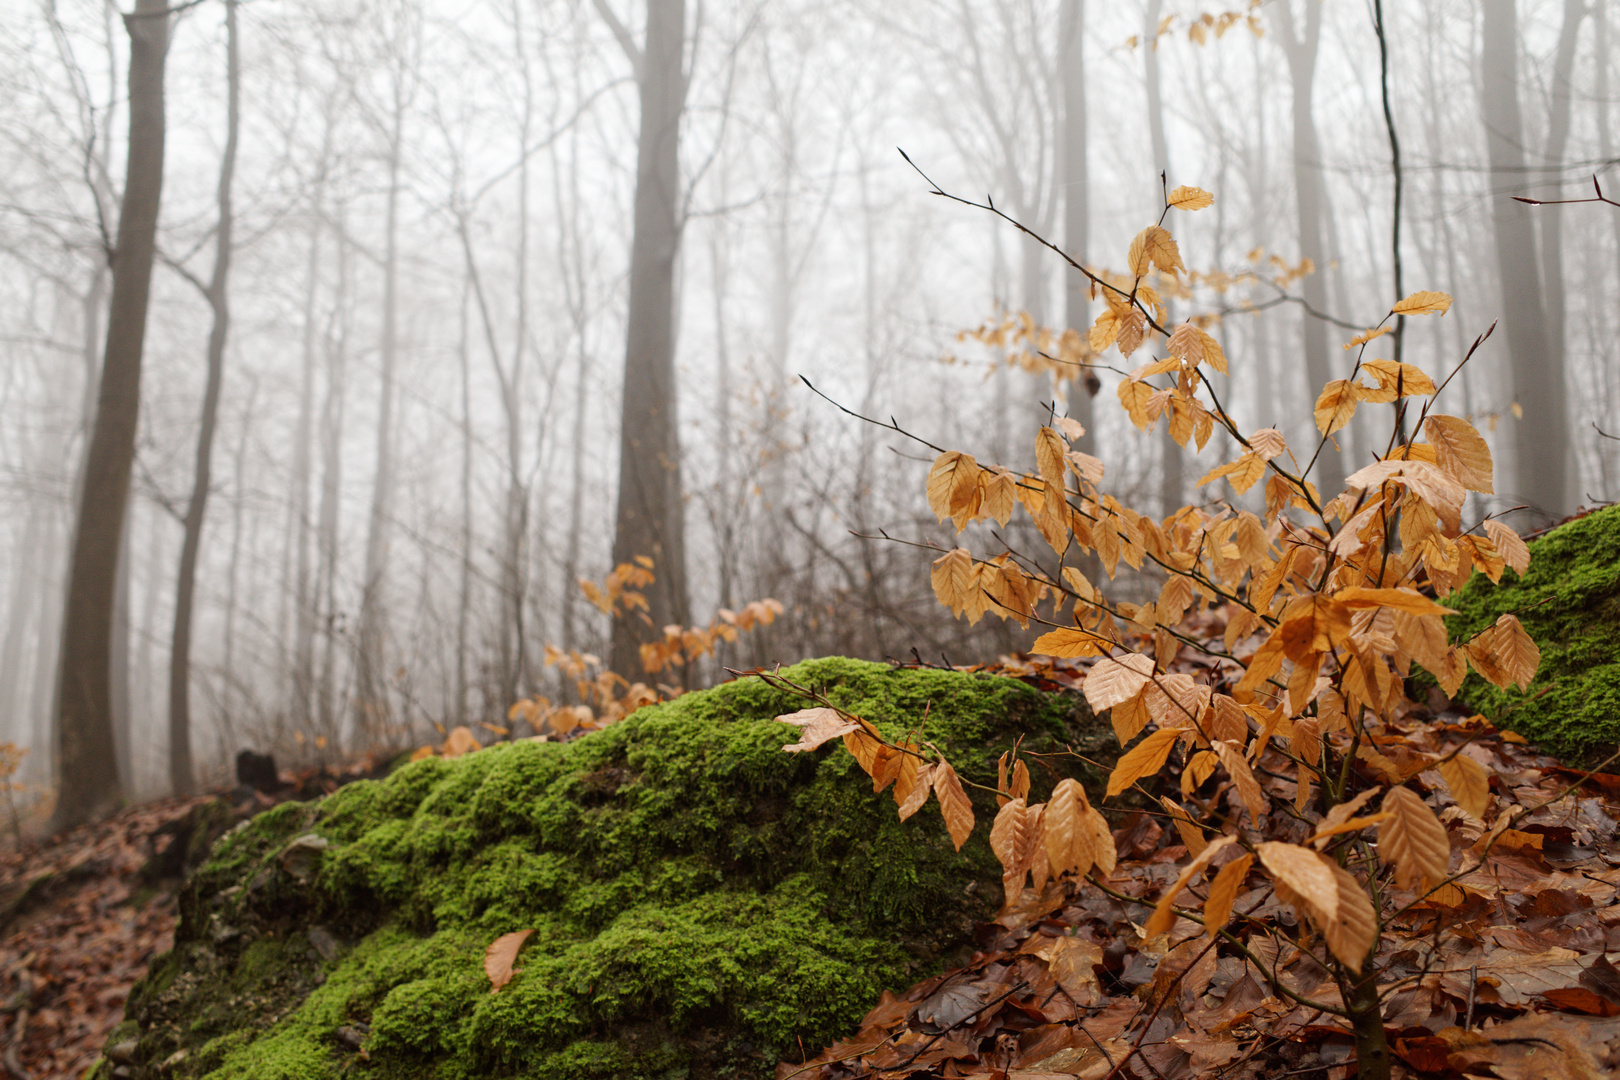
(1492, 985)
(83, 913)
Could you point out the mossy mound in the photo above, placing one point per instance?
(702, 901)
(1569, 602)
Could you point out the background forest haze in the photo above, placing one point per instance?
(455, 304)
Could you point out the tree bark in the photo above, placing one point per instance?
(182, 771)
(1541, 438)
(1076, 206)
(1551, 216)
(1300, 45)
(85, 752)
(650, 516)
(371, 683)
(1171, 483)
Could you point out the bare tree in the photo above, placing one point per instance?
(1301, 45)
(650, 519)
(86, 755)
(182, 773)
(1541, 436)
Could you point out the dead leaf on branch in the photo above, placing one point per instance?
(820, 725)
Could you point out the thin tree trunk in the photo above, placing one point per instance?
(1171, 484)
(229, 683)
(182, 772)
(650, 518)
(328, 525)
(1300, 46)
(371, 689)
(1076, 206)
(1551, 220)
(304, 602)
(464, 608)
(85, 753)
(1541, 437)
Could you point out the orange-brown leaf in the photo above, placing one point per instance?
(1185, 197)
(1248, 788)
(1154, 246)
(1191, 835)
(1408, 600)
(1049, 456)
(1413, 840)
(820, 725)
(1146, 758)
(918, 795)
(953, 803)
(1223, 890)
(1113, 680)
(501, 955)
(1163, 917)
(1423, 303)
(1335, 406)
(1068, 641)
(1469, 783)
(1513, 550)
(1461, 451)
(1305, 875)
(460, 741)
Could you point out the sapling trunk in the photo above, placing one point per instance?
(1367, 1022)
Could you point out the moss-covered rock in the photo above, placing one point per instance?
(1569, 603)
(701, 901)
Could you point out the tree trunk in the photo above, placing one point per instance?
(371, 682)
(1541, 438)
(1300, 47)
(86, 758)
(649, 521)
(1076, 205)
(1551, 219)
(1171, 484)
(182, 772)
(331, 508)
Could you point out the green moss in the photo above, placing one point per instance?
(701, 900)
(1569, 603)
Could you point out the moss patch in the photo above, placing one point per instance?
(702, 901)
(1569, 602)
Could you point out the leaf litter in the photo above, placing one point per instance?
(1502, 972)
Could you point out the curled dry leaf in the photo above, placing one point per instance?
(820, 725)
(1305, 876)
(1067, 835)
(1163, 917)
(460, 741)
(918, 795)
(1191, 835)
(501, 955)
(1071, 642)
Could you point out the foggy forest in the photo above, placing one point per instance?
(453, 308)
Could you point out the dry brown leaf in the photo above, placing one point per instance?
(1423, 303)
(1067, 836)
(953, 803)
(1185, 197)
(918, 795)
(1469, 783)
(1154, 246)
(1461, 451)
(1114, 680)
(1191, 835)
(1408, 600)
(1305, 875)
(1009, 839)
(1352, 930)
(1163, 917)
(1413, 840)
(1049, 456)
(1237, 766)
(460, 741)
(1513, 550)
(1146, 758)
(1335, 406)
(501, 955)
(863, 748)
(1071, 642)
(820, 725)
(1223, 890)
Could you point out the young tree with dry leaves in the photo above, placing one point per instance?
(1269, 766)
